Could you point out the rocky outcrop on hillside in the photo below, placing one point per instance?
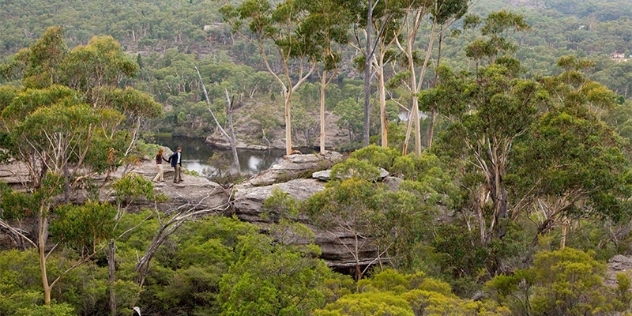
(15, 174)
(335, 244)
(193, 193)
(292, 175)
(294, 166)
(618, 264)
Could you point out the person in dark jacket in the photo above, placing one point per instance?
(176, 163)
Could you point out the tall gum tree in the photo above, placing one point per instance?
(386, 20)
(327, 23)
(278, 28)
(415, 13)
(371, 19)
(489, 111)
(488, 115)
(573, 165)
(79, 227)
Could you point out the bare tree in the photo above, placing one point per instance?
(230, 107)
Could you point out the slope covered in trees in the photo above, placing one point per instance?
(517, 200)
(169, 38)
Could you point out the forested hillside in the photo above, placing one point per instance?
(491, 170)
(169, 38)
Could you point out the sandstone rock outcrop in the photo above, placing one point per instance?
(295, 166)
(335, 244)
(618, 264)
(244, 200)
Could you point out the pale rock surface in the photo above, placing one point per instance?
(617, 264)
(295, 166)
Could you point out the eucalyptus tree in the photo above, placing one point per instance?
(230, 106)
(395, 24)
(561, 282)
(489, 111)
(573, 165)
(71, 110)
(328, 24)
(445, 14)
(81, 228)
(387, 20)
(280, 26)
(414, 14)
(488, 115)
(369, 50)
(495, 30)
(370, 19)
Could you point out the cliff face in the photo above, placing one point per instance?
(200, 196)
(336, 245)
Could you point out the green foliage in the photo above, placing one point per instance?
(622, 291)
(270, 279)
(132, 187)
(83, 227)
(377, 156)
(131, 103)
(27, 101)
(53, 310)
(281, 204)
(392, 293)
(350, 113)
(401, 227)
(18, 281)
(20, 286)
(17, 205)
(368, 304)
(44, 58)
(426, 168)
(354, 168)
(20, 204)
(562, 282)
(191, 172)
(224, 266)
(571, 152)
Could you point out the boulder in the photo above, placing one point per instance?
(323, 175)
(15, 174)
(617, 264)
(295, 166)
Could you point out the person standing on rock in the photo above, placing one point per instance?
(159, 159)
(176, 163)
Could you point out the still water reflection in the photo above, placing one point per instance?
(196, 152)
